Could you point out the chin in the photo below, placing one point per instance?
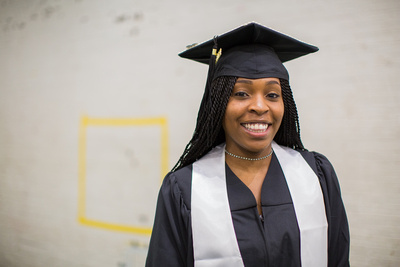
(257, 147)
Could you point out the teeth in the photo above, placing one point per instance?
(256, 127)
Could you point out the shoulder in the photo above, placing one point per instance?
(317, 161)
(324, 170)
(178, 184)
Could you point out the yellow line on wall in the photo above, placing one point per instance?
(110, 122)
(82, 168)
(115, 227)
(126, 122)
(164, 149)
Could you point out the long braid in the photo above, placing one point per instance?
(208, 132)
(289, 132)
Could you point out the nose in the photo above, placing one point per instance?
(258, 105)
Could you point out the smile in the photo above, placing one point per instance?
(256, 127)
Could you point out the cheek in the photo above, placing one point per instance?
(224, 122)
(279, 112)
(228, 113)
(230, 116)
(282, 111)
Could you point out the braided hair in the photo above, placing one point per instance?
(209, 132)
(289, 132)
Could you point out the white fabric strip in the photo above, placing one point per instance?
(308, 202)
(214, 238)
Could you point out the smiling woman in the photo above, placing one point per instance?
(253, 116)
(245, 192)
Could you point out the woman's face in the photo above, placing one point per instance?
(253, 115)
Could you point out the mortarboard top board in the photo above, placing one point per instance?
(250, 51)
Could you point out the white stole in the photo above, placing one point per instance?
(309, 206)
(214, 238)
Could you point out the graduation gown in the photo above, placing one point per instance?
(270, 240)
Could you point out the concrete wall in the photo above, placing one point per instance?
(95, 107)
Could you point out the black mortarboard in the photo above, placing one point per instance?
(250, 51)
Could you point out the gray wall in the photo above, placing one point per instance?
(95, 107)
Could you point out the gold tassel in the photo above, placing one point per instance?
(217, 55)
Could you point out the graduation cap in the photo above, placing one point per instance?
(250, 51)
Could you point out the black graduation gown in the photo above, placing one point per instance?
(269, 241)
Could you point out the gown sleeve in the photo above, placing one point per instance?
(169, 240)
(338, 228)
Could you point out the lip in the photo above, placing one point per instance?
(256, 128)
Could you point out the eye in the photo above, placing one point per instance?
(240, 94)
(273, 95)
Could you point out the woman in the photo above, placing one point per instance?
(245, 192)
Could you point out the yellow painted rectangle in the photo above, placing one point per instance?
(115, 122)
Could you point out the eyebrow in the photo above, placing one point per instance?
(272, 82)
(244, 81)
(251, 82)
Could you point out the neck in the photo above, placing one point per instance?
(247, 166)
(247, 155)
